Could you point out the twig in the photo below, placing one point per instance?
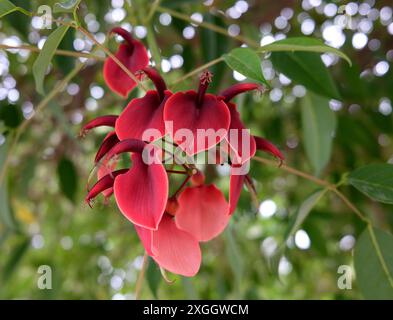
(139, 281)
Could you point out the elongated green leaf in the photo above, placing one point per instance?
(6, 7)
(66, 6)
(6, 215)
(45, 57)
(15, 258)
(375, 181)
(153, 276)
(246, 62)
(373, 261)
(318, 124)
(68, 178)
(307, 69)
(303, 44)
(302, 213)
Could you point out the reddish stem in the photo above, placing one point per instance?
(181, 187)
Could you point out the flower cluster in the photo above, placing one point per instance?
(171, 227)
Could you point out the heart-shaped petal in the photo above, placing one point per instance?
(202, 212)
(143, 114)
(175, 250)
(194, 127)
(141, 193)
(133, 55)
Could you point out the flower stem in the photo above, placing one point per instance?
(139, 281)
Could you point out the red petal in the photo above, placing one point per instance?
(181, 109)
(110, 140)
(203, 212)
(266, 146)
(175, 250)
(235, 189)
(239, 88)
(142, 192)
(146, 236)
(142, 114)
(103, 184)
(239, 139)
(102, 121)
(134, 57)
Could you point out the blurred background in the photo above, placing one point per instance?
(95, 254)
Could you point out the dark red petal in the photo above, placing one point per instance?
(110, 140)
(158, 81)
(142, 114)
(103, 184)
(235, 189)
(266, 146)
(228, 94)
(129, 145)
(134, 56)
(103, 121)
(242, 144)
(182, 111)
(203, 212)
(142, 192)
(175, 250)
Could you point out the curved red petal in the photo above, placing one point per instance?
(203, 212)
(239, 88)
(129, 145)
(142, 114)
(175, 250)
(134, 58)
(235, 189)
(103, 184)
(182, 112)
(108, 121)
(142, 192)
(242, 144)
(266, 146)
(109, 141)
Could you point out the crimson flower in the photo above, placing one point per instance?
(133, 55)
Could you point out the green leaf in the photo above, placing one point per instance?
(7, 7)
(318, 124)
(6, 214)
(11, 116)
(15, 257)
(307, 69)
(373, 261)
(302, 213)
(68, 178)
(153, 276)
(66, 6)
(375, 181)
(45, 57)
(303, 44)
(246, 62)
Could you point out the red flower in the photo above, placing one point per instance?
(133, 187)
(195, 111)
(133, 55)
(145, 113)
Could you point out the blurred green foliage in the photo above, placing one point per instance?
(95, 254)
